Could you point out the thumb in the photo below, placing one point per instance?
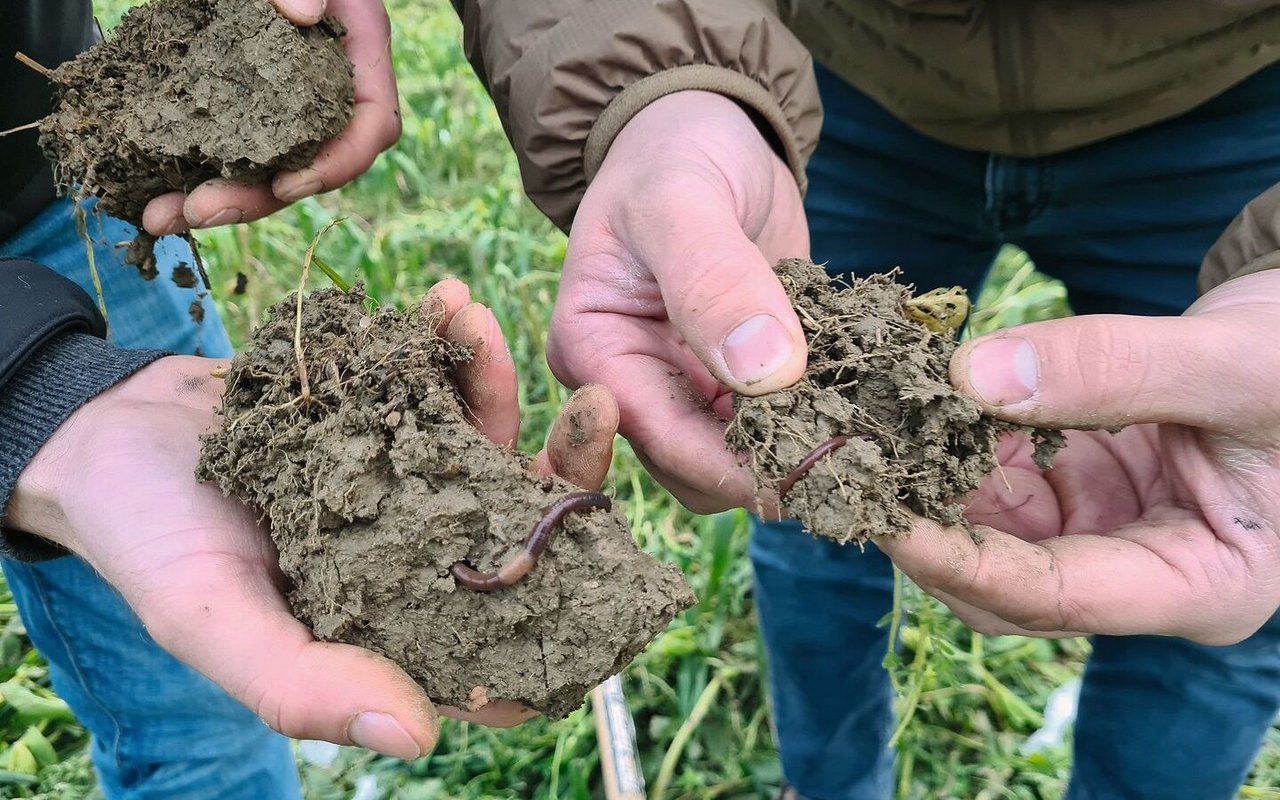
(301, 12)
(1108, 371)
(723, 296)
(231, 624)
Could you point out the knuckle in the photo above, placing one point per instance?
(390, 129)
(719, 291)
(985, 625)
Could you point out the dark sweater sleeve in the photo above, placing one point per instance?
(53, 382)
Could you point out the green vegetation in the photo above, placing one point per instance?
(446, 201)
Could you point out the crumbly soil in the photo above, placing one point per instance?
(378, 484)
(188, 90)
(879, 376)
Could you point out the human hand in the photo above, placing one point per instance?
(374, 127)
(1168, 527)
(668, 295)
(116, 486)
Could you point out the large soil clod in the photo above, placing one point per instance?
(878, 375)
(376, 486)
(188, 90)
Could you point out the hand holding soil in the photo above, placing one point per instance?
(668, 295)
(403, 529)
(116, 486)
(874, 429)
(1171, 526)
(374, 125)
(198, 113)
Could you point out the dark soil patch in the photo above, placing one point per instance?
(188, 90)
(878, 374)
(377, 485)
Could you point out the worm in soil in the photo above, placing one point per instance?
(523, 562)
(808, 462)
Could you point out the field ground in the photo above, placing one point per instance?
(446, 201)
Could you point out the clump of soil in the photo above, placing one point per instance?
(878, 374)
(377, 484)
(188, 90)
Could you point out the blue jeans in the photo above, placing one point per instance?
(1124, 224)
(160, 729)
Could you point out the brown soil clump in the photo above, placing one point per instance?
(877, 374)
(188, 90)
(377, 485)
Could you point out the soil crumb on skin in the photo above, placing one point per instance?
(378, 485)
(880, 377)
(188, 90)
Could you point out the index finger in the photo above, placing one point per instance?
(1083, 582)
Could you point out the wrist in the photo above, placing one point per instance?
(685, 120)
(35, 505)
(47, 412)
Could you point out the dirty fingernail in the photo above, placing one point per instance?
(375, 730)
(224, 216)
(296, 187)
(1004, 371)
(757, 348)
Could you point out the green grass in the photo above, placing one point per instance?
(446, 201)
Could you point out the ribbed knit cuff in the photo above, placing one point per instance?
(61, 376)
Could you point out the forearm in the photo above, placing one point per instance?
(53, 361)
(567, 76)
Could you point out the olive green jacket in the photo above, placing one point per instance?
(1015, 77)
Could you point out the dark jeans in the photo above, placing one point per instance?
(1124, 224)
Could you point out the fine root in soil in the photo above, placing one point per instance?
(874, 425)
(380, 494)
(188, 90)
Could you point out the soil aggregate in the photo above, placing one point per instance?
(377, 484)
(878, 374)
(188, 90)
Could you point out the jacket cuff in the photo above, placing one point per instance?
(1251, 243)
(50, 385)
(693, 77)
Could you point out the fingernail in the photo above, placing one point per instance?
(375, 730)
(295, 187)
(305, 9)
(502, 353)
(175, 224)
(1004, 371)
(757, 348)
(224, 216)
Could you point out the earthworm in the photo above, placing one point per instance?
(523, 562)
(807, 463)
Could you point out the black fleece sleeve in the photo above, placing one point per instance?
(54, 361)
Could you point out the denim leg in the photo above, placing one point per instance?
(160, 729)
(1125, 225)
(819, 604)
(1166, 719)
(880, 196)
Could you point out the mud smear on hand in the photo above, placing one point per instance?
(377, 485)
(188, 90)
(877, 374)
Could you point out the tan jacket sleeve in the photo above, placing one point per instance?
(1251, 243)
(567, 75)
